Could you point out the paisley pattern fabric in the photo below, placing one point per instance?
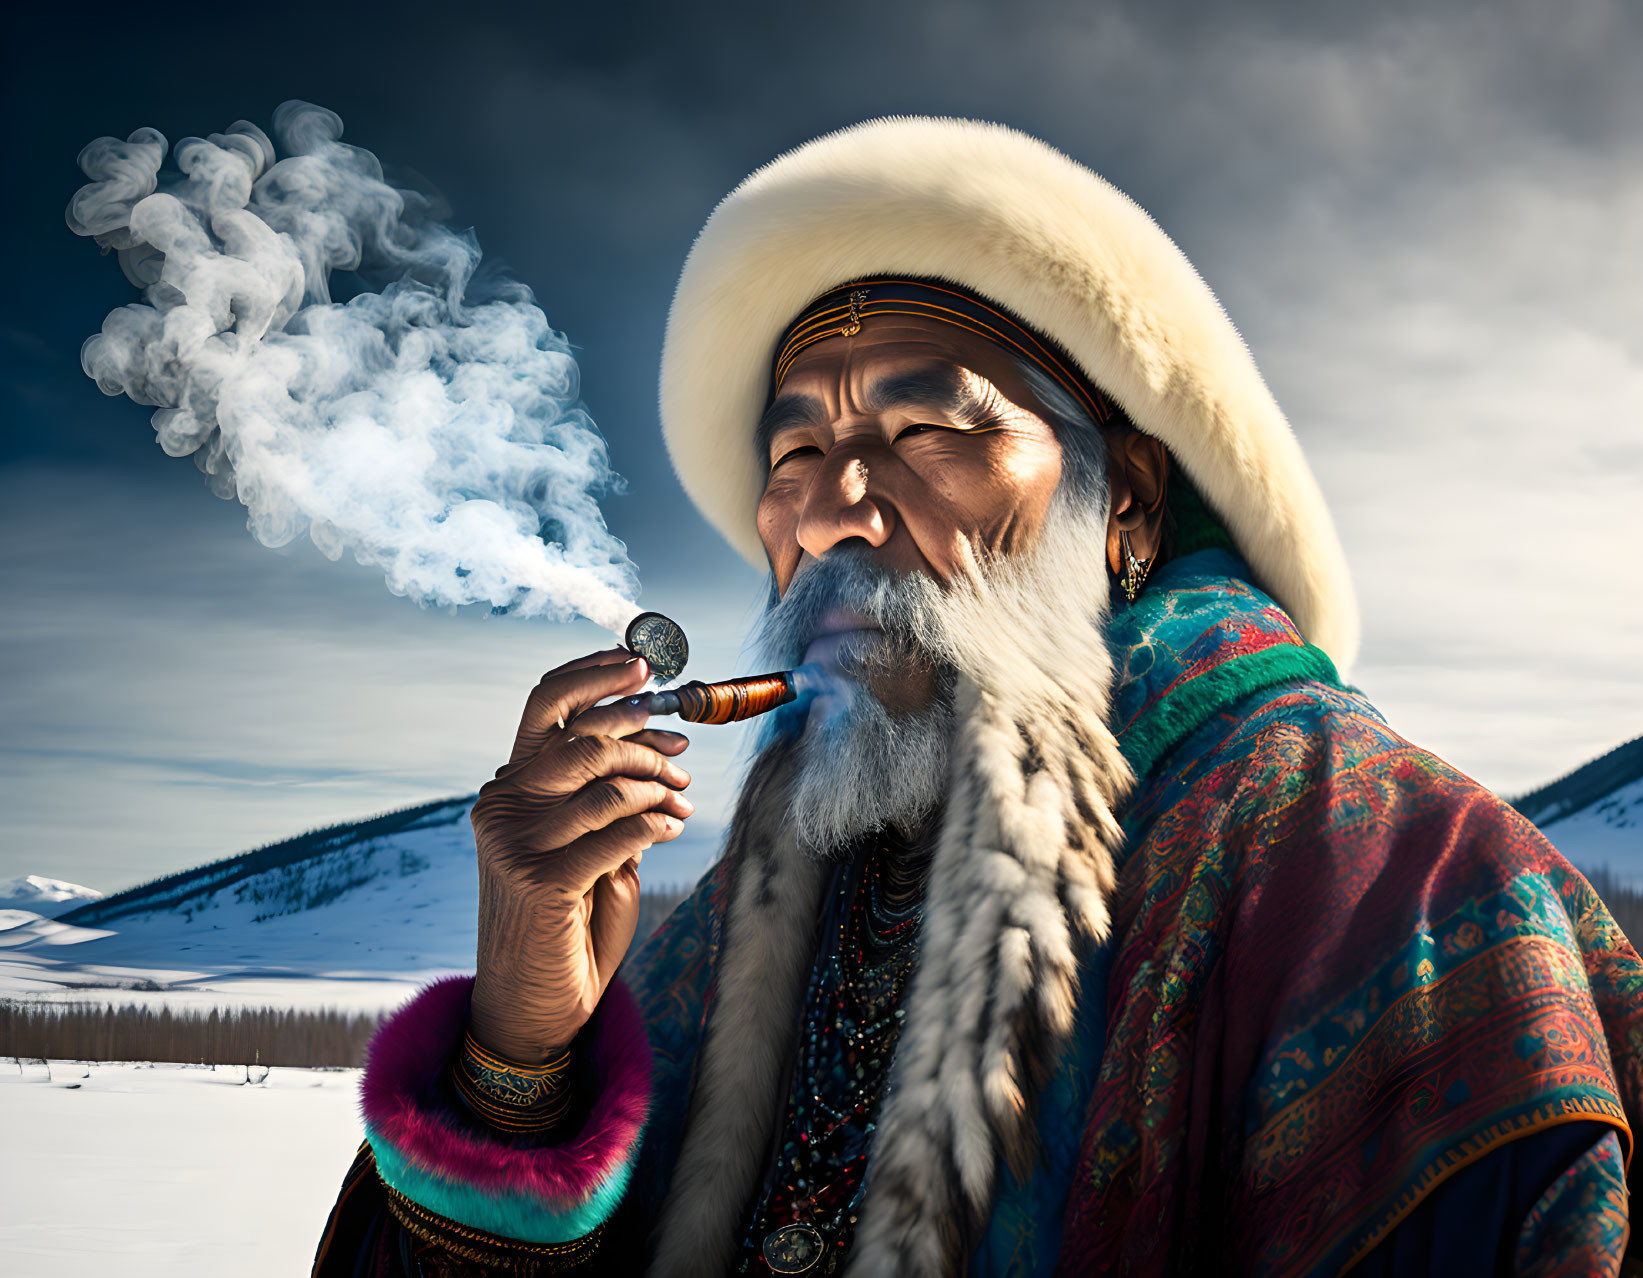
(1342, 971)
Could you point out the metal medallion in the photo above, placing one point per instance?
(660, 641)
(794, 1249)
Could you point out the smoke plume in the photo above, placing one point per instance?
(430, 425)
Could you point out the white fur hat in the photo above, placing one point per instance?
(1015, 221)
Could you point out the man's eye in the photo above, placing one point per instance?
(795, 452)
(919, 428)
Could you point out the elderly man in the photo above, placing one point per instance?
(1088, 922)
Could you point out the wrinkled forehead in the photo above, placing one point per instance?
(899, 365)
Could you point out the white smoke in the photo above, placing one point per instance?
(432, 428)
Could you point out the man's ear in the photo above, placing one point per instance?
(1137, 483)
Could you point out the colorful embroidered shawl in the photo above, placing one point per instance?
(1342, 971)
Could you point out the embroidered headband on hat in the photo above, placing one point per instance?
(840, 312)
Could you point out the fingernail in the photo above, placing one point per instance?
(688, 805)
(673, 824)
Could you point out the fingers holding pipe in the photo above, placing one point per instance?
(565, 767)
(620, 718)
(566, 692)
(604, 657)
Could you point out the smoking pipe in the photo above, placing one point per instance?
(727, 702)
(661, 642)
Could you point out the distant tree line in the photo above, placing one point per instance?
(238, 1036)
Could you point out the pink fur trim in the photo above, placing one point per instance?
(414, 1045)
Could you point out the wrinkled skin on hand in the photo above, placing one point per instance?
(560, 833)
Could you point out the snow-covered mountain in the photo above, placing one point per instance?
(36, 894)
(353, 915)
(1595, 814)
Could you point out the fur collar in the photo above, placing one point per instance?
(1023, 864)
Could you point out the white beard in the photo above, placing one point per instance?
(864, 769)
(860, 766)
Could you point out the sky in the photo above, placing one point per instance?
(1425, 219)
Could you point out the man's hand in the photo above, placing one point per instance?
(560, 832)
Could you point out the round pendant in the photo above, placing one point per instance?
(794, 1249)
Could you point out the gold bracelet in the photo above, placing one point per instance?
(511, 1096)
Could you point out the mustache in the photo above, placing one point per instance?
(903, 606)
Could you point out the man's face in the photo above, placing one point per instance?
(914, 438)
(917, 437)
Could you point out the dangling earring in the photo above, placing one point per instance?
(1135, 570)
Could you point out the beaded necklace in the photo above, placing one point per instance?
(809, 1202)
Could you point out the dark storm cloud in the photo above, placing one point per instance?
(1425, 219)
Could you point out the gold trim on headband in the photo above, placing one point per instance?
(858, 299)
(845, 319)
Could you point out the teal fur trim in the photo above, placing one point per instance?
(1164, 725)
(512, 1215)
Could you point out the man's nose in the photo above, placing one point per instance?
(841, 504)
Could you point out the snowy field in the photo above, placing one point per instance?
(175, 1170)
